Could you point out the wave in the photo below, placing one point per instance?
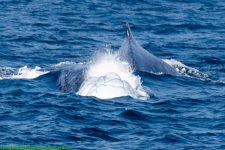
(108, 77)
(66, 64)
(105, 77)
(21, 73)
(186, 70)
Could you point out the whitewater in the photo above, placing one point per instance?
(106, 77)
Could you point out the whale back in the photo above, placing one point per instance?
(140, 59)
(71, 78)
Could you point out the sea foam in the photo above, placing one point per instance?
(108, 77)
(21, 73)
(186, 70)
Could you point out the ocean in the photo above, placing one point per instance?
(40, 39)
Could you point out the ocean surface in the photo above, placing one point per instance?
(40, 38)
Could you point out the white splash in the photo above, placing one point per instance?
(65, 63)
(108, 77)
(21, 73)
(186, 70)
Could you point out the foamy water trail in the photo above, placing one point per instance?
(108, 77)
(66, 63)
(186, 70)
(21, 73)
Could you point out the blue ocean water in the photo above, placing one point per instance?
(182, 112)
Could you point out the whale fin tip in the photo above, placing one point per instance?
(128, 31)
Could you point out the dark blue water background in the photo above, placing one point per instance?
(182, 112)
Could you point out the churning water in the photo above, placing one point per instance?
(115, 107)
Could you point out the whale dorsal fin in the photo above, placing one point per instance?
(128, 31)
(140, 59)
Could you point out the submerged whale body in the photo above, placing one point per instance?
(71, 77)
(74, 77)
(140, 59)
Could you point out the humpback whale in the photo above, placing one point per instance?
(71, 78)
(140, 59)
